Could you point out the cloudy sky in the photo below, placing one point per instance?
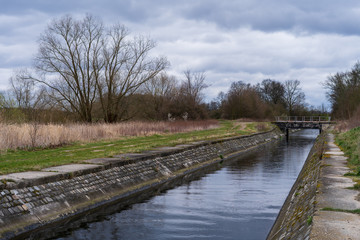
(231, 40)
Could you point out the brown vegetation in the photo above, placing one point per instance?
(15, 136)
(352, 122)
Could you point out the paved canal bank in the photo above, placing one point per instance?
(321, 205)
(335, 200)
(30, 204)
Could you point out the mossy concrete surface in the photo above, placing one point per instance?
(334, 197)
(295, 218)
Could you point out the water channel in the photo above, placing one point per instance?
(239, 200)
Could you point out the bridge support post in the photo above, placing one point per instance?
(287, 134)
(320, 129)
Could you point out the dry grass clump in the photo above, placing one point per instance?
(352, 122)
(27, 136)
(346, 125)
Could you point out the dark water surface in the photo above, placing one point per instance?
(238, 201)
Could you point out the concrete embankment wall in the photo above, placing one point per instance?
(26, 208)
(295, 217)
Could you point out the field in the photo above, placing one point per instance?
(28, 147)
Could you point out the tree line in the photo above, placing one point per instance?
(261, 101)
(86, 71)
(343, 92)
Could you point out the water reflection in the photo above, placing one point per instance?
(239, 201)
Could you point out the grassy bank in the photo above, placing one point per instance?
(349, 142)
(36, 159)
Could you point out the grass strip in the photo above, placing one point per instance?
(355, 211)
(349, 142)
(24, 160)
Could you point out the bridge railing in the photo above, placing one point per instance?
(303, 119)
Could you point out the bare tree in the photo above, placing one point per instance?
(69, 62)
(161, 91)
(189, 97)
(82, 62)
(127, 66)
(272, 91)
(25, 92)
(193, 85)
(294, 97)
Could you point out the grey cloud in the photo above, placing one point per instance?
(329, 16)
(231, 40)
(312, 16)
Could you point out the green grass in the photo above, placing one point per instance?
(349, 142)
(356, 211)
(24, 160)
(309, 220)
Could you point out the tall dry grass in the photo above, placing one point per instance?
(352, 122)
(27, 136)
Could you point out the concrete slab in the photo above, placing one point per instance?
(184, 146)
(338, 153)
(335, 225)
(71, 168)
(167, 149)
(131, 156)
(331, 144)
(103, 161)
(337, 197)
(28, 175)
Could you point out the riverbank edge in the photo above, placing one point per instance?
(32, 208)
(294, 220)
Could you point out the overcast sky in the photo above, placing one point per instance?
(231, 40)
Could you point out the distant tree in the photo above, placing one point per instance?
(272, 91)
(215, 107)
(193, 85)
(27, 96)
(343, 92)
(294, 97)
(243, 101)
(189, 96)
(159, 92)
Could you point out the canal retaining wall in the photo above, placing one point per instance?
(294, 220)
(27, 207)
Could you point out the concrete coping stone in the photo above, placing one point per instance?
(103, 161)
(183, 145)
(169, 148)
(30, 178)
(72, 168)
(131, 156)
(338, 153)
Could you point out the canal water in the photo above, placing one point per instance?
(239, 200)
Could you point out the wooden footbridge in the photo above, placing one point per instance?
(297, 122)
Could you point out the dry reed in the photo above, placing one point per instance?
(27, 136)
